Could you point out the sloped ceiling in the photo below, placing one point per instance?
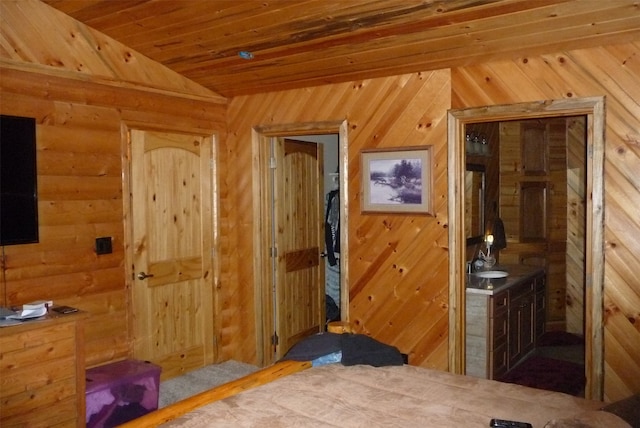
(312, 42)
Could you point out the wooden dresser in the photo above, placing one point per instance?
(504, 319)
(42, 373)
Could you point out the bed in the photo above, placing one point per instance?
(295, 394)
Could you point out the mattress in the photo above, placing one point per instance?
(396, 396)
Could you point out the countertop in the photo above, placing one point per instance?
(517, 274)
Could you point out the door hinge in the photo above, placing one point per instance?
(275, 340)
(274, 252)
(272, 163)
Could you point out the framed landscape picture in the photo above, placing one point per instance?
(397, 180)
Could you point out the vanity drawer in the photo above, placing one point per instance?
(499, 330)
(499, 304)
(522, 289)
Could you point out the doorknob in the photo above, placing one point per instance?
(143, 275)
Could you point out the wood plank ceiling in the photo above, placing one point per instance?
(298, 43)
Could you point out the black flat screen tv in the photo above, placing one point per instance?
(18, 181)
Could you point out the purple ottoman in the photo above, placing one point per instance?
(119, 392)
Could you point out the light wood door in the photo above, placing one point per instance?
(299, 226)
(171, 202)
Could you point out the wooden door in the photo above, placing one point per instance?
(299, 236)
(171, 202)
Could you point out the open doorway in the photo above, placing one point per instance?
(331, 209)
(328, 141)
(533, 187)
(593, 110)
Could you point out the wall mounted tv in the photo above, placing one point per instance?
(18, 181)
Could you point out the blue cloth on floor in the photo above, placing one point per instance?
(334, 357)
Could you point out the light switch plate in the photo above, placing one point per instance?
(104, 246)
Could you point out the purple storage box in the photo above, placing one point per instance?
(119, 392)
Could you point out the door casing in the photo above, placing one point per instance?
(594, 110)
(263, 272)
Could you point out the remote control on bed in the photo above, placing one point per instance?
(502, 423)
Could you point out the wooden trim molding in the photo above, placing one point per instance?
(594, 110)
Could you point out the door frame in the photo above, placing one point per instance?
(128, 241)
(594, 110)
(262, 268)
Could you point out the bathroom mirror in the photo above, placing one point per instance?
(474, 188)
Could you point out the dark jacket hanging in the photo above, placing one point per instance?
(332, 226)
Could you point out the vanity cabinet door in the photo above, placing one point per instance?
(540, 307)
(498, 355)
(521, 326)
(498, 330)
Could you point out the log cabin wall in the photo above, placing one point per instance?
(397, 263)
(612, 71)
(79, 155)
(80, 115)
(79, 150)
(398, 270)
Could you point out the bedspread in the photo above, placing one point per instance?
(396, 396)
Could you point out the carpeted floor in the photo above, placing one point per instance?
(184, 386)
(549, 374)
(556, 365)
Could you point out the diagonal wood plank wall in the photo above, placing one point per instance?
(613, 71)
(398, 263)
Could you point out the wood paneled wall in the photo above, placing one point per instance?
(397, 263)
(613, 71)
(550, 186)
(35, 35)
(81, 106)
(79, 150)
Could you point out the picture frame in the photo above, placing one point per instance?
(397, 180)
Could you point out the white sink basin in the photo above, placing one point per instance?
(492, 274)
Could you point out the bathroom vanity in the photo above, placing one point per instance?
(504, 317)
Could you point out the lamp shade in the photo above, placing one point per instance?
(499, 237)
